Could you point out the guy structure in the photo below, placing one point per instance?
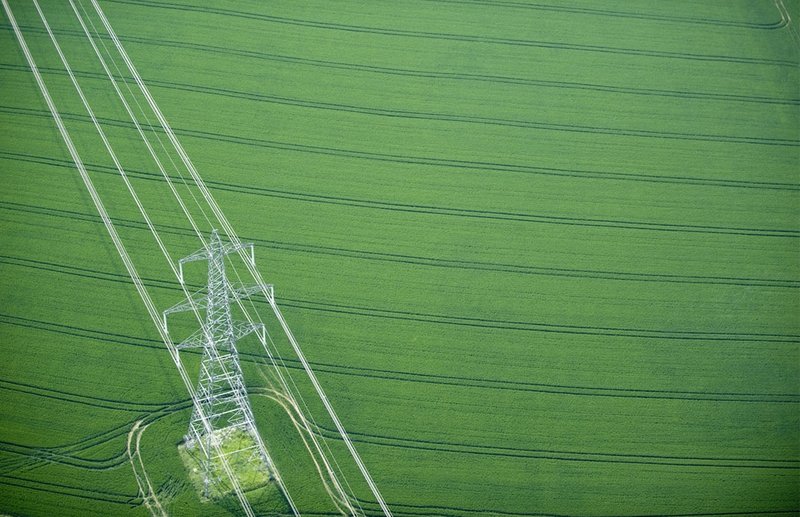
(221, 390)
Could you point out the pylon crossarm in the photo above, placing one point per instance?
(194, 257)
(199, 301)
(199, 338)
(245, 291)
(228, 412)
(227, 249)
(230, 247)
(243, 328)
(196, 340)
(202, 254)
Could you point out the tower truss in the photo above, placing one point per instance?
(221, 390)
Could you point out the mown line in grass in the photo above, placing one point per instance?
(428, 261)
(440, 379)
(556, 328)
(30, 457)
(527, 326)
(67, 490)
(87, 400)
(427, 161)
(465, 38)
(33, 457)
(577, 456)
(435, 379)
(446, 117)
(417, 510)
(470, 213)
(469, 119)
(427, 74)
(782, 22)
(504, 451)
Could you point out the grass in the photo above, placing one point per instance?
(543, 258)
(252, 474)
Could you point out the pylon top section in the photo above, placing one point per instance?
(219, 292)
(216, 250)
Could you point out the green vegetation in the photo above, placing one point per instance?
(251, 475)
(543, 256)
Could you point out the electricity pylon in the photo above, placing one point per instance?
(221, 390)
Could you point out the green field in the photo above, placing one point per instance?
(543, 256)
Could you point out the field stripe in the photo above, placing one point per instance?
(87, 400)
(554, 328)
(427, 74)
(545, 327)
(85, 443)
(519, 217)
(29, 457)
(577, 456)
(445, 117)
(72, 491)
(417, 510)
(525, 453)
(32, 457)
(466, 38)
(468, 119)
(779, 24)
(432, 161)
(417, 260)
(560, 389)
(606, 275)
(447, 380)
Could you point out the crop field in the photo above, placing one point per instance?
(543, 256)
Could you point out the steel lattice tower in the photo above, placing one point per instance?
(221, 389)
